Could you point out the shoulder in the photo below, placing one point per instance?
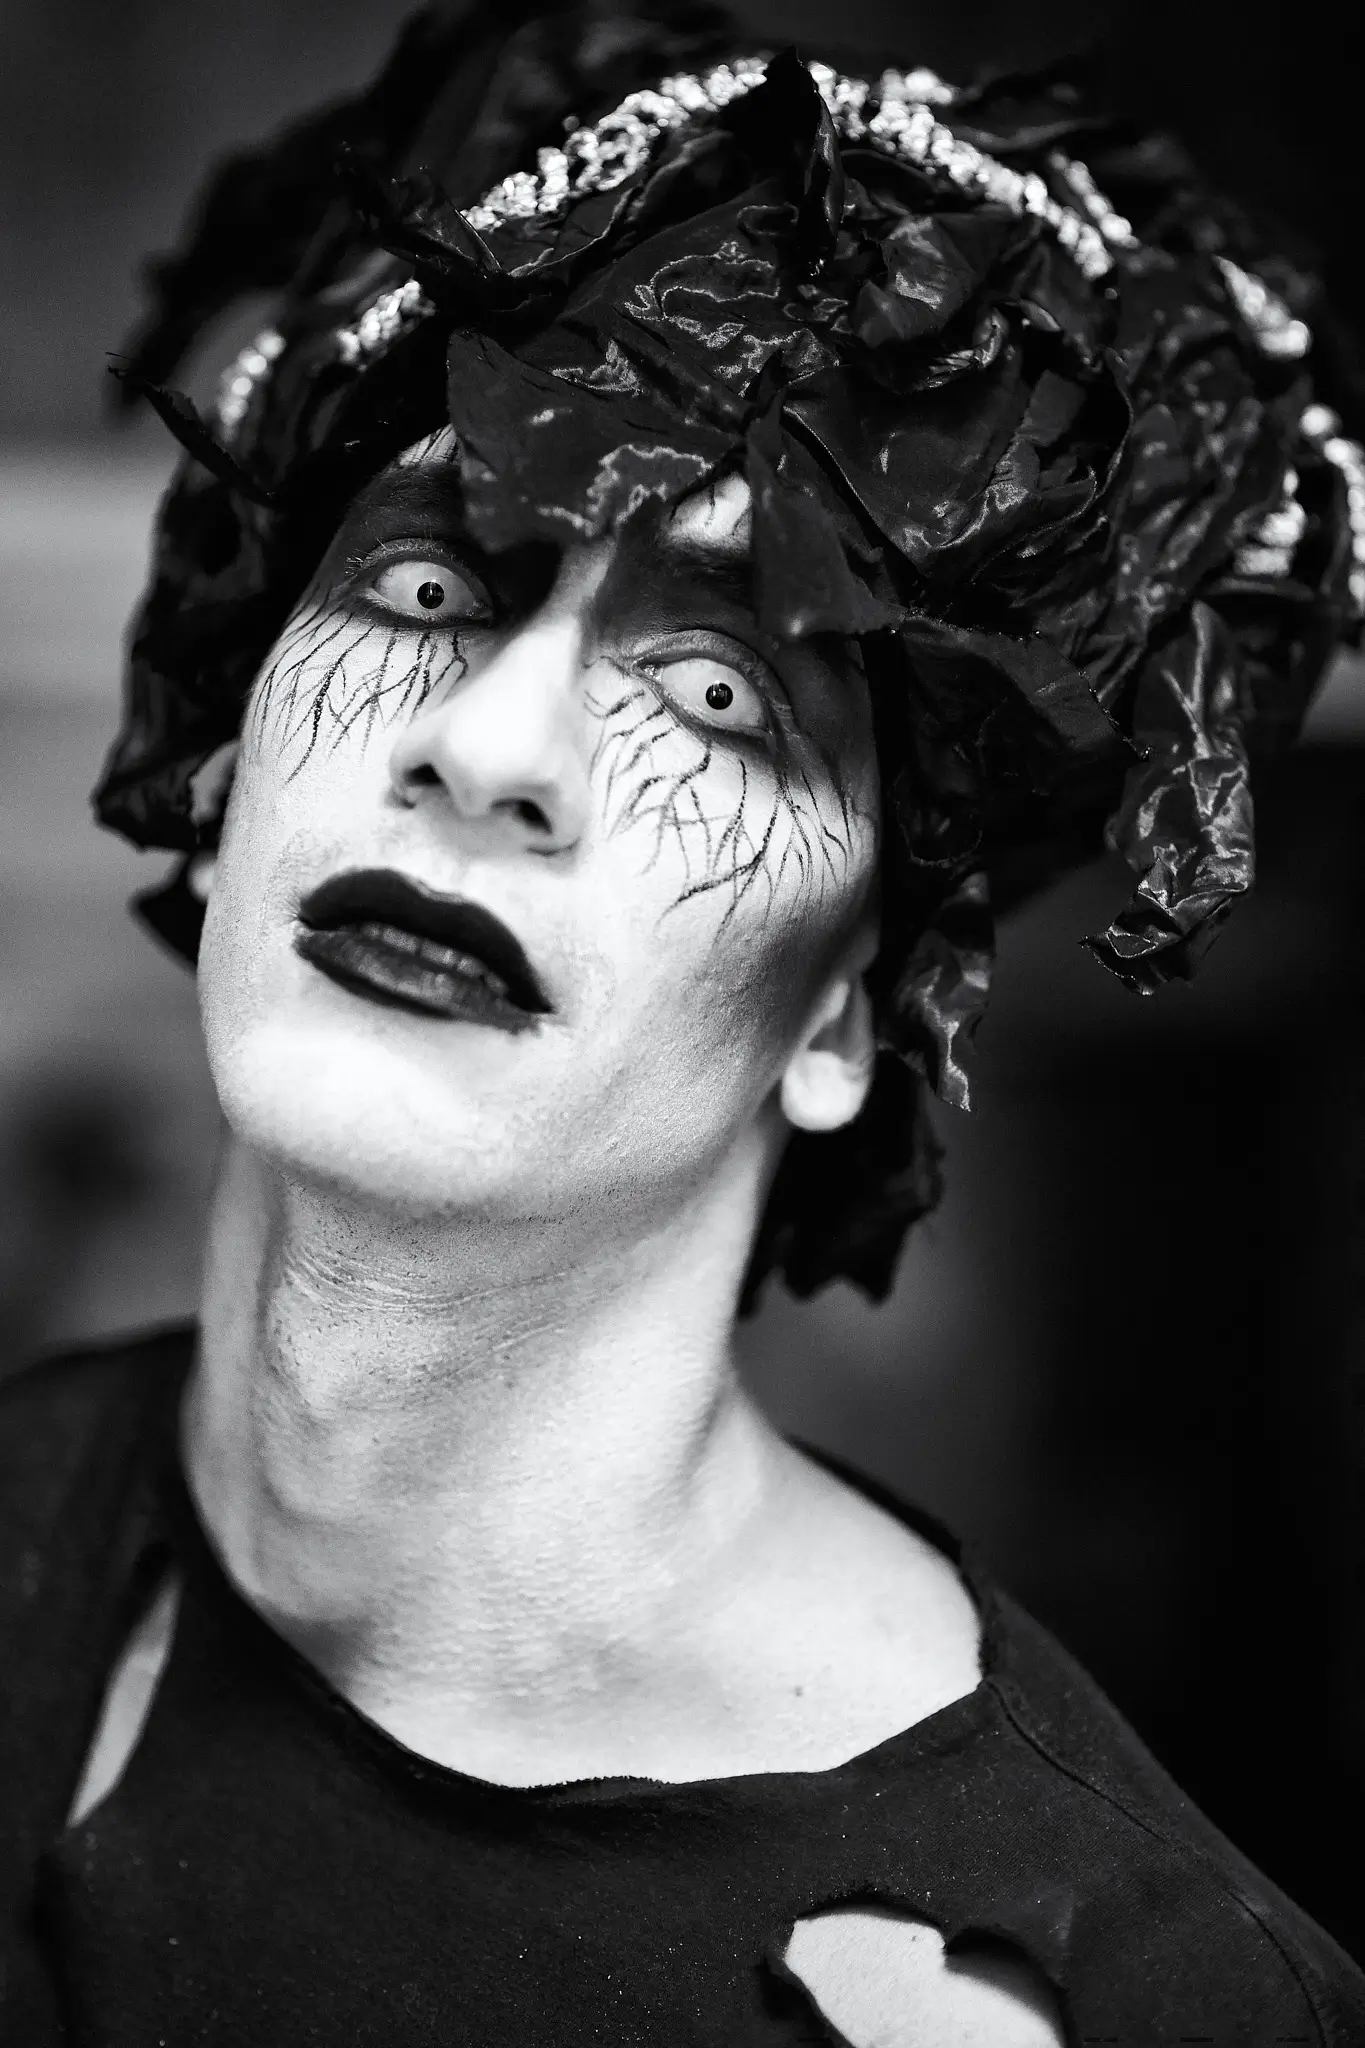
(56, 1404)
(1074, 1891)
(1150, 1906)
(68, 1426)
(1032, 1827)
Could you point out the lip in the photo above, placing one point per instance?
(386, 937)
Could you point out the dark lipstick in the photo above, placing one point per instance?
(391, 939)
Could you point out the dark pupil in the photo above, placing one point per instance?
(429, 595)
(720, 696)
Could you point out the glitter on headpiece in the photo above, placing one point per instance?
(1322, 428)
(1277, 332)
(893, 115)
(1271, 548)
(243, 377)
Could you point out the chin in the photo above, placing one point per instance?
(384, 1116)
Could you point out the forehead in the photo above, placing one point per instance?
(689, 565)
(715, 520)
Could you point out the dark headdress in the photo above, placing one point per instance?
(1039, 431)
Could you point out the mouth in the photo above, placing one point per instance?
(390, 939)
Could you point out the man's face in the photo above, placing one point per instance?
(534, 867)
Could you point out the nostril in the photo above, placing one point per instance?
(409, 779)
(530, 814)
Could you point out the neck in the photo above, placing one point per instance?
(437, 1455)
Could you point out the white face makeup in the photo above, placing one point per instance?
(535, 868)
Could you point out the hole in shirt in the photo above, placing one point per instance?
(881, 1978)
(127, 1699)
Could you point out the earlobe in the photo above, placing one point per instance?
(211, 784)
(210, 787)
(825, 1082)
(199, 874)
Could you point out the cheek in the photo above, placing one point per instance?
(333, 679)
(313, 761)
(732, 883)
(291, 816)
(787, 838)
(245, 921)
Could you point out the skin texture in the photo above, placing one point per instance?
(465, 1425)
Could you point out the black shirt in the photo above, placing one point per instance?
(273, 1868)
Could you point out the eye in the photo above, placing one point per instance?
(428, 592)
(713, 692)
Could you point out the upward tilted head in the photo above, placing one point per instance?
(734, 519)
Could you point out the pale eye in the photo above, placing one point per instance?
(713, 692)
(429, 593)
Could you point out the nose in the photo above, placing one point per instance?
(505, 746)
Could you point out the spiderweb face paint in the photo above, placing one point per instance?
(719, 759)
(333, 678)
(674, 818)
(769, 827)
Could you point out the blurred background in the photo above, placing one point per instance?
(1126, 1358)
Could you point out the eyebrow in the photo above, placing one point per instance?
(727, 569)
(427, 490)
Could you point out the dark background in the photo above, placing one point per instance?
(1126, 1358)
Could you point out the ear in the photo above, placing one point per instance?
(210, 787)
(826, 1079)
(199, 874)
